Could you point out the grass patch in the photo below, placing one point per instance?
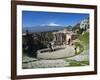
(84, 40)
(77, 44)
(79, 63)
(73, 63)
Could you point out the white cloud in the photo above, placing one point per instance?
(50, 24)
(53, 24)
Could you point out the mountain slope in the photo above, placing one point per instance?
(42, 28)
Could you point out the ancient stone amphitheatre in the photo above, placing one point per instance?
(62, 52)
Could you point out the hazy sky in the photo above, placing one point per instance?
(36, 18)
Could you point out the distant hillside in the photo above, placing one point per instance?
(69, 27)
(77, 26)
(84, 24)
(43, 28)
